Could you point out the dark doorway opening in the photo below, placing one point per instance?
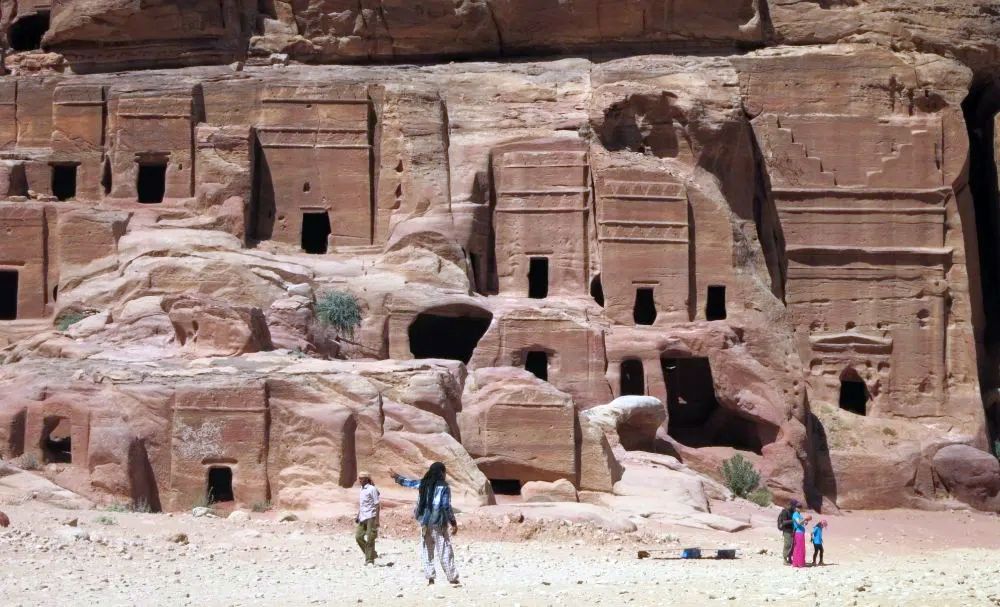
(220, 484)
(538, 278)
(26, 32)
(597, 290)
(696, 417)
(505, 486)
(451, 332)
(57, 441)
(151, 183)
(315, 232)
(537, 363)
(715, 305)
(8, 294)
(64, 181)
(853, 394)
(633, 381)
(644, 311)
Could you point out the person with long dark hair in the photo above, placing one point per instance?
(435, 515)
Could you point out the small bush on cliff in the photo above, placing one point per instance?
(69, 319)
(996, 448)
(739, 476)
(761, 497)
(339, 310)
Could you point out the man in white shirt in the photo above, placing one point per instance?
(368, 511)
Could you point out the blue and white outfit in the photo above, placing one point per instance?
(434, 521)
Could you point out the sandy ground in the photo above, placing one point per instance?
(874, 558)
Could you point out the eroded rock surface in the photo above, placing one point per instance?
(761, 225)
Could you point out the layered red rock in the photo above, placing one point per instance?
(780, 246)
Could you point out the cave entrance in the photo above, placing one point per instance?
(597, 290)
(8, 294)
(26, 32)
(538, 277)
(696, 419)
(505, 486)
(151, 182)
(315, 232)
(219, 487)
(715, 304)
(57, 441)
(633, 380)
(450, 332)
(536, 362)
(64, 181)
(644, 311)
(853, 393)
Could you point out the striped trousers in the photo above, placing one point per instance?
(437, 539)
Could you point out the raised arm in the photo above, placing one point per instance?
(406, 482)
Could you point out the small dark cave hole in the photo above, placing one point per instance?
(597, 290)
(537, 363)
(26, 33)
(505, 486)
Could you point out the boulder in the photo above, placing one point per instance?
(969, 474)
(635, 420)
(207, 327)
(540, 491)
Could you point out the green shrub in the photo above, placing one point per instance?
(261, 506)
(68, 319)
(996, 448)
(339, 310)
(760, 496)
(739, 476)
(116, 507)
(105, 520)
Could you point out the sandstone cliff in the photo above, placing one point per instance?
(768, 216)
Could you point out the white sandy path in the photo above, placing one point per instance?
(290, 564)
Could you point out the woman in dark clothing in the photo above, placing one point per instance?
(435, 515)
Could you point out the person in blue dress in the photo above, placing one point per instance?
(817, 541)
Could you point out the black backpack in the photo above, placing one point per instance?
(784, 518)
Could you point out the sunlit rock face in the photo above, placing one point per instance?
(771, 223)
